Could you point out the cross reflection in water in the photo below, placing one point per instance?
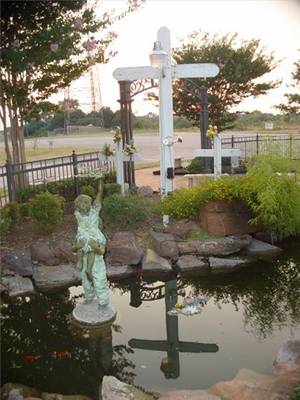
(170, 365)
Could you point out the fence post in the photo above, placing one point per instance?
(75, 172)
(9, 177)
(232, 141)
(257, 140)
(291, 146)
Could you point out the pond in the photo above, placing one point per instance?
(247, 318)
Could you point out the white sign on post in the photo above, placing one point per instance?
(217, 153)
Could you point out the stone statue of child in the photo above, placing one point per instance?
(90, 247)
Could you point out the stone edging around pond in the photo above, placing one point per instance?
(247, 385)
(46, 267)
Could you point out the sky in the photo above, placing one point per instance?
(275, 22)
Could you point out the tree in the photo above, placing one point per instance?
(240, 67)
(45, 46)
(293, 99)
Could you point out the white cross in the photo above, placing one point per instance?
(217, 153)
(119, 157)
(165, 77)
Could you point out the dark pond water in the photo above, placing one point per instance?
(247, 318)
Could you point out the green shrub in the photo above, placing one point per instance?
(46, 212)
(273, 198)
(9, 217)
(125, 211)
(111, 188)
(28, 192)
(88, 190)
(196, 166)
(296, 392)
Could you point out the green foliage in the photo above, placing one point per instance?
(240, 66)
(296, 393)
(293, 99)
(195, 166)
(88, 190)
(111, 188)
(272, 194)
(126, 211)
(46, 212)
(9, 217)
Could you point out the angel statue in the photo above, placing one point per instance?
(90, 248)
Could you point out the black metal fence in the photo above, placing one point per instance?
(56, 169)
(42, 172)
(280, 145)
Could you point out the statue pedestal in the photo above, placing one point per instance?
(89, 314)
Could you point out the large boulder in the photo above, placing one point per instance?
(42, 253)
(116, 273)
(189, 395)
(257, 248)
(226, 265)
(19, 261)
(123, 249)
(181, 228)
(152, 262)
(18, 286)
(288, 357)
(192, 263)
(164, 244)
(244, 390)
(62, 250)
(55, 278)
(113, 389)
(25, 391)
(215, 247)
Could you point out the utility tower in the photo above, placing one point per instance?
(95, 92)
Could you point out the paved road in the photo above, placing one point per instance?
(148, 146)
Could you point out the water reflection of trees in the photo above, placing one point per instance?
(268, 294)
(40, 350)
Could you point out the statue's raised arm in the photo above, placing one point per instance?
(98, 199)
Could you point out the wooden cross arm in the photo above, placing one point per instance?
(164, 345)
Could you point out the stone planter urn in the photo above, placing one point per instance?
(220, 217)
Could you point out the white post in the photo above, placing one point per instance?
(217, 156)
(166, 113)
(120, 166)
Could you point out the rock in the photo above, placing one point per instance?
(190, 263)
(33, 398)
(18, 286)
(25, 391)
(145, 191)
(284, 385)
(288, 357)
(119, 272)
(19, 261)
(152, 262)
(189, 395)
(113, 389)
(3, 288)
(48, 279)
(15, 394)
(63, 251)
(263, 236)
(258, 248)
(164, 244)
(216, 247)
(42, 253)
(123, 249)
(243, 390)
(250, 375)
(226, 265)
(181, 228)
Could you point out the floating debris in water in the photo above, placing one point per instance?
(190, 305)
